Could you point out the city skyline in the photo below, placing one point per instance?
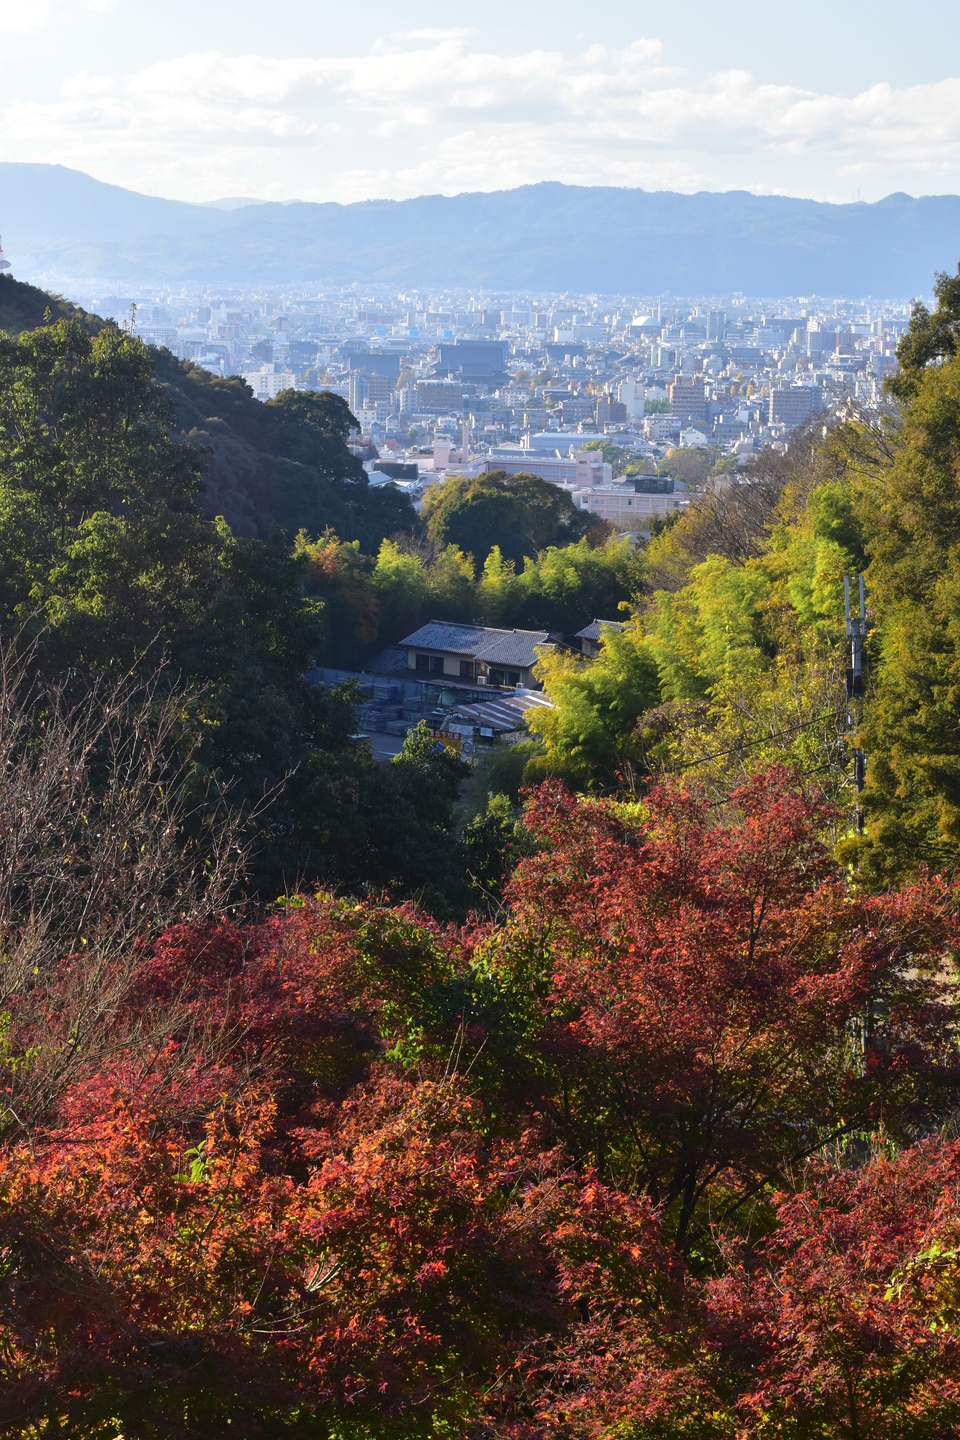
(444, 383)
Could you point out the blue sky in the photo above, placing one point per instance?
(338, 101)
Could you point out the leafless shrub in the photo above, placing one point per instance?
(109, 834)
(734, 515)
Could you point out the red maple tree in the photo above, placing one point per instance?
(847, 1314)
(347, 1168)
(709, 1000)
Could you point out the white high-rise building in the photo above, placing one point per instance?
(630, 394)
(266, 384)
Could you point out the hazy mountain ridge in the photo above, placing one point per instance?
(549, 235)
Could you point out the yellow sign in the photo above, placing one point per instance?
(448, 738)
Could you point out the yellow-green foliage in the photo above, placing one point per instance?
(710, 627)
(819, 549)
(911, 727)
(498, 591)
(560, 589)
(588, 734)
(570, 581)
(739, 665)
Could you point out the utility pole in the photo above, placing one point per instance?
(856, 627)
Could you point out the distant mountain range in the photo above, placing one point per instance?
(550, 236)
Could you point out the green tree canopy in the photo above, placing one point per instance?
(521, 514)
(104, 556)
(931, 338)
(567, 586)
(910, 508)
(588, 732)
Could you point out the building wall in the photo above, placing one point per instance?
(791, 407)
(630, 394)
(439, 395)
(662, 427)
(452, 671)
(265, 384)
(359, 391)
(687, 400)
(380, 389)
(625, 507)
(587, 469)
(573, 409)
(716, 325)
(474, 357)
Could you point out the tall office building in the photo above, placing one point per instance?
(630, 394)
(716, 325)
(379, 389)
(359, 390)
(439, 396)
(688, 400)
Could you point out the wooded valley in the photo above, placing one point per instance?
(607, 1089)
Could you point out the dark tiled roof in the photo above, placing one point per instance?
(513, 647)
(595, 629)
(388, 662)
(481, 642)
(444, 635)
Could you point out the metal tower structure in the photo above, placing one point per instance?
(856, 629)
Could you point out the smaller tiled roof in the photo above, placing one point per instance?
(388, 662)
(513, 647)
(506, 712)
(595, 629)
(445, 635)
(480, 642)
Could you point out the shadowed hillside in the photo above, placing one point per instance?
(284, 463)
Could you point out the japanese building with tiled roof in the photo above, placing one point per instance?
(475, 654)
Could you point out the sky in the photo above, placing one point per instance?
(307, 99)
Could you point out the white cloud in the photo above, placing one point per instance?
(16, 18)
(19, 16)
(425, 110)
(82, 85)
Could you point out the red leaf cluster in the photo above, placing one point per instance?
(716, 991)
(544, 1177)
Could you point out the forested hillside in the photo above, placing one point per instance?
(284, 463)
(108, 563)
(627, 1108)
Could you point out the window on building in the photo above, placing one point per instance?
(423, 662)
(513, 677)
(436, 664)
(466, 669)
(496, 677)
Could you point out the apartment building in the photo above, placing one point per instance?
(792, 406)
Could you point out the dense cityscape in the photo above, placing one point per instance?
(455, 384)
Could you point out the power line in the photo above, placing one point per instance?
(764, 739)
(816, 770)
